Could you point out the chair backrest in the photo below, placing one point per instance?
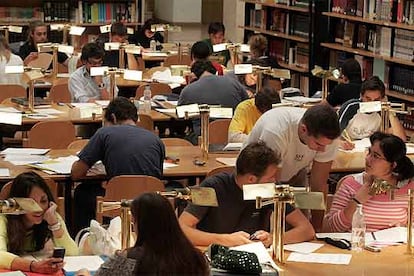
(227, 169)
(145, 121)
(59, 93)
(175, 60)
(141, 64)
(43, 61)
(218, 131)
(156, 89)
(78, 144)
(176, 142)
(11, 90)
(60, 201)
(51, 135)
(127, 187)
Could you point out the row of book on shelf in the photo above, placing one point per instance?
(290, 53)
(401, 11)
(20, 14)
(90, 12)
(376, 39)
(280, 21)
(296, 3)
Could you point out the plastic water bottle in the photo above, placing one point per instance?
(153, 45)
(147, 99)
(358, 229)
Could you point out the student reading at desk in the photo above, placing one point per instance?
(249, 111)
(31, 232)
(119, 34)
(123, 148)
(386, 160)
(201, 51)
(235, 221)
(82, 86)
(216, 32)
(37, 34)
(161, 247)
(357, 125)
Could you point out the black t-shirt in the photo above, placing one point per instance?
(111, 59)
(141, 39)
(125, 150)
(233, 213)
(344, 92)
(28, 48)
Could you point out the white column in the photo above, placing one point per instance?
(233, 16)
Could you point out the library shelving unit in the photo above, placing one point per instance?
(86, 13)
(381, 37)
(294, 29)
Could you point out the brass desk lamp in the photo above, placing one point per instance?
(18, 206)
(202, 196)
(55, 48)
(326, 75)
(166, 28)
(279, 195)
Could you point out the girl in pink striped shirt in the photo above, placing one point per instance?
(386, 160)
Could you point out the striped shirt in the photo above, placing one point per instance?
(380, 212)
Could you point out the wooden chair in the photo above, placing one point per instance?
(78, 144)
(156, 89)
(174, 60)
(145, 121)
(176, 142)
(59, 93)
(60, 201)
(50, 135)
(127, 187)
(218, 131)
(227, 169)
(10, 91)
(329, 200)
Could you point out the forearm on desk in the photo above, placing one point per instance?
(6, 259)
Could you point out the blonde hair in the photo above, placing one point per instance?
(4, 49)
(258, 45)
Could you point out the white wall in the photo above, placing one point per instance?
(178, 11)
(233, 16)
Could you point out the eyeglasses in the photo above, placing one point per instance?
(375, 155)
(95, 62)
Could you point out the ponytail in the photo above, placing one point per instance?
(404, 168)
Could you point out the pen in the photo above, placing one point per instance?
(345, 135)
(253, 236)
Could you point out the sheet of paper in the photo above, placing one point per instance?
(9, 109)
(49, 111)
(320, 258)
(221, 112)
(103, 103)
(229, 161)
(259, 249)
(74, 263)
(360, 145)
(63, 75)
(39, 116)
(301, 99)
(12, 273)
(410, 148)
(11, 118)
(169, 165)
(20, 159)
(391, 235)
(83, 104)
(166, 110)
(233, 146)
(154, 54)
(4, 172)
(26, 151)
(61, 165)
(303, 247)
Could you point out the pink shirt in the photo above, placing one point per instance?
(380, 212)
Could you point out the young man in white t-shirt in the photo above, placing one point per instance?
(303, 137)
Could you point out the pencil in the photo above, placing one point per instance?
(345, 135)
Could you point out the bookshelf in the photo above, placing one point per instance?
(381, 36)
(294, 30)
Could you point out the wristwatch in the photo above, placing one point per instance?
(101, 85)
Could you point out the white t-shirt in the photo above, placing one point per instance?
(362, 125)
(10, 78)
(278, 128)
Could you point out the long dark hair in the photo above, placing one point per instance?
(21, 187)
(394, 150)
(163, 246)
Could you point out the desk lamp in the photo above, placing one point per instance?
(67, 30)
(54, 48)
(10, 29)
(235, 48)
(326, 75)
(166, 28)
(202, 196)
(279, 195)
(32, 74)
(260, 71)
(18, 206)
(122, 48)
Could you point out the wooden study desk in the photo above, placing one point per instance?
(390, 261)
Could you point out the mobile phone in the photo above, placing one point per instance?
(58, 252)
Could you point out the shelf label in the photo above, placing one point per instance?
(105, 29)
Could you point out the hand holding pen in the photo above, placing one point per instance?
(346, 143)
(263, 236)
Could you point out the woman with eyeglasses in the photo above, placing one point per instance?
(386, 160)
